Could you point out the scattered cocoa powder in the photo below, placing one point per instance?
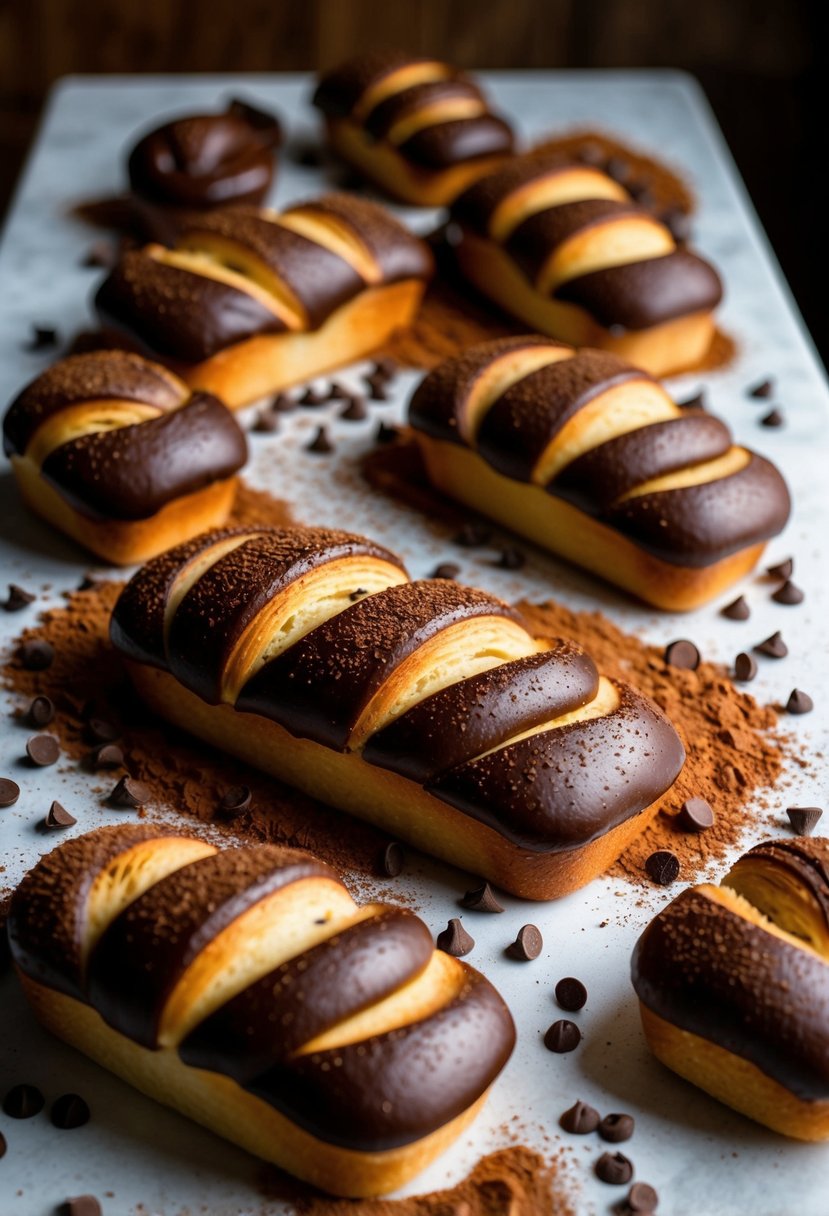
(252, 507)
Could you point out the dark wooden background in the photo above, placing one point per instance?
(763, 63)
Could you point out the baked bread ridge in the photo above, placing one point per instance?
(181, 959)
(115, 451)
(733, 986)
(418, 128)
(425, 707)
(564, 248)
(591, 458)
(248, 301)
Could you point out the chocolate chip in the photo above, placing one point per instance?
(106, 755)
(571, 994)
(697, 402)
(36, 655)
(678, 223)
(472, 535)
(387, 368)
(737, 610)
(616, 1128)
(784, 569)
(265, 423)
(386, 433)
(102, 255)
(789, 593)
(454, 939)
(100, 730)
(392, 859)
(481, 899)
(642, 1198)
(311, 156)
(527, 945)
(376, 388)
(774, 647)
(773, 418)
(87, 583)
(69, 1111)
(662, 867)
(9, 792)
(448, 570)
(355, 411)
(511, 558)
(129, 794)
(234, 801)
(282, 404)
(312, 397)
(682, 653)
(17, 599)
(43, 336)
(562, 1036)
(799, 702)
(762, 390)
(358, 594)
(614, 1168)
(695, 815)
(337, 392)
(745, 667)
(320, 443)
(40, 713)
(58, 817)
(43, 750)
(804, 819)
(81, 1205)
(23, 1101)
(580, 1119)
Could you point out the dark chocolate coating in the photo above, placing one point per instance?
(521, 423)
(144, 952)
(594, 480)
(226, 599)
(452, 143)
(698, 525)
(132, 472)
(178, 313)
(804, 862)
(467, 718)
(475, 207)
(48, 909)
(389, 1090)
(318, 688)
(562, 789)
(97, 376)
(638, 295)
(340, 89)
(267, 1022)
(709, 971)
(540, 234)
(397, 106)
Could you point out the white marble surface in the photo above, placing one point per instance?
(140, 1158)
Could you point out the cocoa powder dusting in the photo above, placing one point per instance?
(253, 507)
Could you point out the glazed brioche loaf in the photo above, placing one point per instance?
(591, 458)
(419, 129)
(425, 707)
(245, 988)
(116, 452)
(250, 301)
(565, 248)
(733, 986)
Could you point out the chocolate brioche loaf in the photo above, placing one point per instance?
(419, 129)
(114, 451)
(245, 988)
(589, 457)
(250, 301)
(424, 707)
(565, 248)
(733, 986)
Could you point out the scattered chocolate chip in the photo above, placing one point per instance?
(87, 583)
(481, 899)
(386, 433)
(9, 792)
(36, 655)
(234, 801)
(571, 994)
(614, 1168)
(697, 402)
(3, 1145)
(129, 794)
(355, 411)
(265, 423)
(43, 336)
(81, 1205)
(376, 388)
(448, 570)
(473, 535)
(804, 819)
(43, 750)
(17, 599)
(527, 945)
(642, 1198)
(580, 1119)
(58, 817)
(40, 713)
(100, 730)
(312, 397)
(106, 755)
(762, 390)
(789, 593)
(392, 860)
(737, 610)
(454, 939)
(774, 647)
(282, 404)
(678, 223)
(773, 418)
(562, 1036)
(23, 1101)
(359, 594)
(695, 815)
(511, 558)
(615, 1128)
(784, 569)
(799, 702)
(69, 1111)
(102, 255)
(618, 168)
(682, 653)
(321, 443)
(338, 392)
(662, 867)
(311, 156)
(387, 368)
